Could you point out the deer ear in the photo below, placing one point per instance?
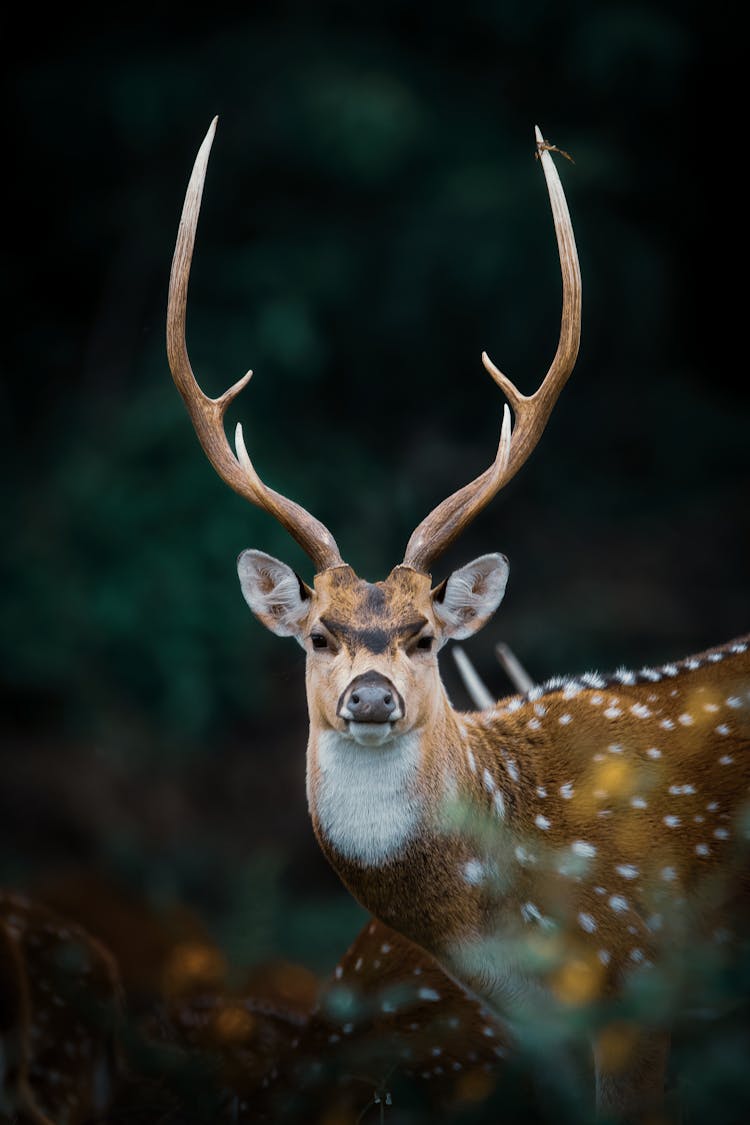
(277, 596)
(466, 601)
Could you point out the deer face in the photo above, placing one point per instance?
(372, 648)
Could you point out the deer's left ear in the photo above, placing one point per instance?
(466, 601)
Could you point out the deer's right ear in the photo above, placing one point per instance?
(277, 596)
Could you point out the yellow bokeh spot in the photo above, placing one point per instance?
(578, 981)
(615, 776)
(293, 982)
(193, 965)
(474, 1086)
(234, 1025)
(614, 1046)
(341, 1115)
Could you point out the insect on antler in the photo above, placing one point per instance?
(446, 522)
(207, 414)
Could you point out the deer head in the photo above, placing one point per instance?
(372, 648)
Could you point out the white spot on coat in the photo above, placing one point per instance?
(532, 913)
(428, 994)
(523, 855)
(473, 872)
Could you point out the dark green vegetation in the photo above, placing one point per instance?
(373, 219)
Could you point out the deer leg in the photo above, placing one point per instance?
(631, 1071)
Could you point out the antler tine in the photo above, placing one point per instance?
(446, 522)
(207, 414)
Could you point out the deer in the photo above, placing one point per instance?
(387, 1017)
(60, 1011)
(553, 850)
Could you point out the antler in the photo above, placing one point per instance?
(449, 519)
(207, 414)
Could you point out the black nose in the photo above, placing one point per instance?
(370, 698)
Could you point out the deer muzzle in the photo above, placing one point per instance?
(370, 705)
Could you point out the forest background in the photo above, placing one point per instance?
(373, 219)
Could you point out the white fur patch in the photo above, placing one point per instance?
(366, 798)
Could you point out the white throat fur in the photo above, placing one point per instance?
(365, 797)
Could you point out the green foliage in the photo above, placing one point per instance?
(372, 220)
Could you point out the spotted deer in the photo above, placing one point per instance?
(60, 1009)
(551, 850)
(387, 1018)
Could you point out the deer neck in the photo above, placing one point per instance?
(369, 803)
(389, 819)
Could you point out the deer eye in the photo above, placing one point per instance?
(425, 643)
(318, 640)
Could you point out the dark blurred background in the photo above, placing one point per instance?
(373, 219)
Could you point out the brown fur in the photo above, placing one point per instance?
(599, 765)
